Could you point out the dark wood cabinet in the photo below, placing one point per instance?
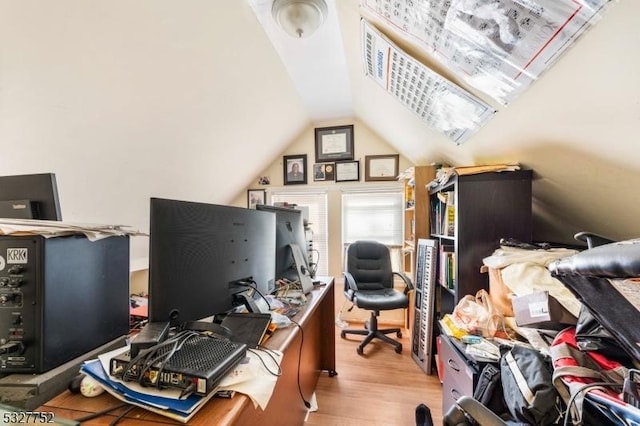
(469, 215)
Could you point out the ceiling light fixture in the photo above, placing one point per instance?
(299, 18)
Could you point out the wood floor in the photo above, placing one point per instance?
(380, 387)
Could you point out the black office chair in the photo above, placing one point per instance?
(368, 283)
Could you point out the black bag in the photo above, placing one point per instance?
(527, 378)
(488, 391)
(592, 336)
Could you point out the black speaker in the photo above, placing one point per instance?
(60, 297)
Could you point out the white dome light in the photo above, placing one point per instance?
(299, 18)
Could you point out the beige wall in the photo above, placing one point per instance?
(366, 142)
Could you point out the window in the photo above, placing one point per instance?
(374, 215)
(316, 202)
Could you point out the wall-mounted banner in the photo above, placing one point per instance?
(441, 104)
(496, 46)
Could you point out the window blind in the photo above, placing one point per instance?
(376, 215)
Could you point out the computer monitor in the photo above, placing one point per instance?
(289, 230)
(198, 253)
(32, 196)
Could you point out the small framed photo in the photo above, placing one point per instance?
(295, 169)
(319, 172)
(381, 167)
(334, 143)
(347, 171)
(255, 196)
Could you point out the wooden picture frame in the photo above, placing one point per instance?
(381, 167)
(347, 171)
(334, 143)
(294, 169)
(256, 196)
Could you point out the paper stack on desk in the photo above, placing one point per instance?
(249, 377)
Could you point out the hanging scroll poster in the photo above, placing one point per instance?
(444, 106)
(497, 46)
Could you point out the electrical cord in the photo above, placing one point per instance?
(158, 354)
(250, 282)
(101, 412)
(121, 416)
(163, 358)
(313, 266)
(306, 403)
(277, 373)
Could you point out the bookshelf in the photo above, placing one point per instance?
(469, 215)
(416, 222)
(416, 213)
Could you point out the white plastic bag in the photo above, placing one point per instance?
(476, 315)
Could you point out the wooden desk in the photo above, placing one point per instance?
(309, 352)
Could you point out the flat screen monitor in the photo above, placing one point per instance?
(32, 196)
(197, 251)
(289, 230)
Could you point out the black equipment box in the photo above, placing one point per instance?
(60, 297)
(198, 365)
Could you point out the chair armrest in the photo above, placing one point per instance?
(350, 286)
(478, 412)
(407, 281)
(592, 240)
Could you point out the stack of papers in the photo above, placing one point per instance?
(52, 228)
(249, 377)
(177, 409)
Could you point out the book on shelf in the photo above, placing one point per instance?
(408, 196)
(435, 216)
(449, 215)
(443, 214)
(447, 266)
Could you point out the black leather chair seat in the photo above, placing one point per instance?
(383, 299)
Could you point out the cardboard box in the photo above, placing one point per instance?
(541, 310)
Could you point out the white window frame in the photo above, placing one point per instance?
(317, 202)
(356, 212)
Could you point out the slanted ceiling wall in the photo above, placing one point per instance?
(128, 100)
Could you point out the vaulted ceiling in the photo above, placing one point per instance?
(188, 99)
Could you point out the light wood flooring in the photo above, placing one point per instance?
(380, 387)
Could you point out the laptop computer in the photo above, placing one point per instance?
(248, 328)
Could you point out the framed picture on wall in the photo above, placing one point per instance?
(347, 171)
(255, 196)
(381, 167)
(334, 143)
(329, 171)
(294, 169)
(319, 173)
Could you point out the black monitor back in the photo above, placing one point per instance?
(289, 230)
(40, 190)
(198, 250)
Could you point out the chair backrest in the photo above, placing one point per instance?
(370, 264)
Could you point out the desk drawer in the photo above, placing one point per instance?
(458, 378)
